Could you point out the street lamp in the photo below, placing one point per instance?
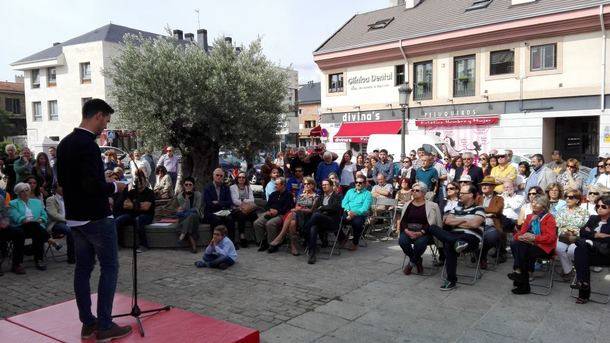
(404, 92)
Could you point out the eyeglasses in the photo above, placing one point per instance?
(593, 193)
(600, 166)
(607, 164)
(501, 156)
(406, 161)
(308, 183)
(461, 193)
(188, 184)
(415, 190)
(467, 159)
(603, 207)
(451, 188)
(359, 182)
(571, 197)
(532, 193)
(218, 175)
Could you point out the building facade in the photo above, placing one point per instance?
(289, 134)
(12, 100)
(509, 74)
(309, 114)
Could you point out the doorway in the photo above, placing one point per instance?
(578, 137)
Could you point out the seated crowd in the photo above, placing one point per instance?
(489, 204)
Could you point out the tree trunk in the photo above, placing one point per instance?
(199, 162)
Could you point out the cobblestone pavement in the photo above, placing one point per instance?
(356, 297)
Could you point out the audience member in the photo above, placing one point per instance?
(403, 195)
(244, 208)
(523, 173)
(420, 214)
(164, 187)
(220, 253)
(536, 239)
(44, 174)
(592, 249)
(35, 190)
(171, 163)
(453, 192)
(295, 183)
(569, 221)
(504, 171)
(541, 175)
(356, 205)
(326, 212)
(594, 193)
(384, 166)
(56, 211)
(571, 178)
(554, 192)
(111, 160)
(217, 198)
(493, 229)
(28, 216)
(189, 210)
(138, 163)
(138, 209)
(427, 173)
(557, 165)
(326, 167)
(347, 171)
(270, 187)
(7, 166)
(268, 224)
(7, 234)
(24, 165)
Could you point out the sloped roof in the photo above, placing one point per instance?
(309, 93)
(438, 16)
(108, 33)
(12, 87)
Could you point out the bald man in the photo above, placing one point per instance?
(217, 197)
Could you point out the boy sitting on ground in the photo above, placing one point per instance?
(220, 253)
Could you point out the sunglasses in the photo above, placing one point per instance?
(532, 193)
(451, 188)
(464, 193)
(359, 182)
(607, 164)
(571, 197)
(572, 167)
(308, 183)
(415, 190)
(188, 184)
(603, 207)
(593, 193)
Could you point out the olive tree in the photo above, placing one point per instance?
(173, 92)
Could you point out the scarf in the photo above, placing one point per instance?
(535, 224)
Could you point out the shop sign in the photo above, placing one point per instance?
(370, 80)
(470, 110)
(468, 121)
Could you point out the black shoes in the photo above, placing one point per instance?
(312, 259)
(40, 265)
(264, 246)
(114, 332)
(273, 248)
(87, 331)
(243, 243)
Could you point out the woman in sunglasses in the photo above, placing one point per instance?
(604, 175)
(592, 249)
(595, 191)
(569, 221)
(526, 209)
(189, 210)
(244, 208)
(453, 196)
(484, 161)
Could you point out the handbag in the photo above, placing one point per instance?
(568, 237)
(602, 247)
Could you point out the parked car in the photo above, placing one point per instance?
(121, 154)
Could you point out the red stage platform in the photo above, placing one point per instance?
(14, 333)
(61, 323)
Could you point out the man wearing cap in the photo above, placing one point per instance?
(469, 169)
(504, 171)
(494, 206)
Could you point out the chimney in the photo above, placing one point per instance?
(229, 40)
(56, 43)
(177, 34)
(412, 3)
(189, 37)
(394, 3)
(202, 39)
(238, 50)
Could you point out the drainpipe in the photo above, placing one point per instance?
(603, 83)
(405, 122)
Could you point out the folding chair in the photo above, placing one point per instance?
(387, 216)
(605, 296)
(475, 255)
(56, 255)
(434, 252)
(548, 265)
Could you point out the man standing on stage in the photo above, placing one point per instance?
(86, 191)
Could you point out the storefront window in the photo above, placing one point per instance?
(335, 83)
(464, 76)
(501, 62)
(422, 80)
(399, 71)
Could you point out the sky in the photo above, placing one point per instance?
(290, 30)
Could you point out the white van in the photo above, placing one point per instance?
(391, 143)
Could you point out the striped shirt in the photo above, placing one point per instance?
(467, 214)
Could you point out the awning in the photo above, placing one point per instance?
(359, 132)
(316, 131)
(464, 121)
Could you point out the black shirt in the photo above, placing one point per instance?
(415, 215)
(147, 195)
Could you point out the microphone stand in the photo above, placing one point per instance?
(135, 309)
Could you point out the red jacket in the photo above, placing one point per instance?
(547, 240)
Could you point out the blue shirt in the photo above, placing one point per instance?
(387, 169)
(532, 180)
(324, 169)
(270, 188)
(428, 177)
(224, 248)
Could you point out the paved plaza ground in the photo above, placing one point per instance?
(356, 297)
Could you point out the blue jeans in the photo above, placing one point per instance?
(491, 239)
(139, 221)
(96, 239)
(214, 260)
(413, 248)
(63, 229)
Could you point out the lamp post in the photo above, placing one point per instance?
(404, 92)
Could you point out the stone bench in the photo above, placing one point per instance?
(164, 235)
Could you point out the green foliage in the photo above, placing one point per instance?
(7, 128)
(177, 94)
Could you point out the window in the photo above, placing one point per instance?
(380, 24)
(36, 111)
(501, 62)
(53, 110)
(422, 80)
(464, 76)
(478, 4)
(12, 105)
(310, 124)
(84, 100)
(543, 57)
(300, 111)
(85, 72)
(399, 71)
(35, 78)
(335, 83)
(51, 77)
